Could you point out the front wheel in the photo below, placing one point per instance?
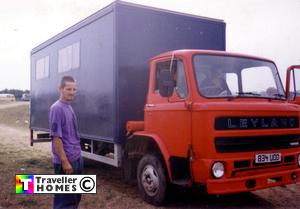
(151, 177)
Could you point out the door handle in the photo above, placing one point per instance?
(188, 105)
(150, 105)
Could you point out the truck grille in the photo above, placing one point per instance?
(256, 143)
(247, 123)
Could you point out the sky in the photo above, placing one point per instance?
(265, 28)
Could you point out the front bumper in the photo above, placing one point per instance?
(250, 183)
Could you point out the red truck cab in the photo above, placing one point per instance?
(217, 119)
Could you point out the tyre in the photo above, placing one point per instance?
(151, 178)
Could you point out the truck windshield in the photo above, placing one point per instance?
(229, 76)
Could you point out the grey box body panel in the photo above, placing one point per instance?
(116, 44)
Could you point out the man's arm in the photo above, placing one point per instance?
(67, 167)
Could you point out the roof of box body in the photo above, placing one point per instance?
(102, 12)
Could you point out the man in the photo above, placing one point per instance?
(65, 140)
(214, 84)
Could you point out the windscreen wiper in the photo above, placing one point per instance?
(248, 93)
(281, 96)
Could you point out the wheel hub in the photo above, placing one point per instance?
(150, 180)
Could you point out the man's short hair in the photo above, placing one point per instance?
(65, 79)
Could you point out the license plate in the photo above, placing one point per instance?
(268, 158)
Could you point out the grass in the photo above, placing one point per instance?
(17, 117)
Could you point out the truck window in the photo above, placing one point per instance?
(294, 86)
(180, 81)
(297, 79)
(232, 82)
(178, 73)
(161, 66)
(234, 76)
(69, 58)
(42, 68)
(259, 84)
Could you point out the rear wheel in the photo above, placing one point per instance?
(152, 181)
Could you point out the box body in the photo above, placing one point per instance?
(108, 54)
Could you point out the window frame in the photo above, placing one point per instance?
(175, 96)
(69, 57)
(42, 68)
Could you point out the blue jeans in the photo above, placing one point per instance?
(68, 201)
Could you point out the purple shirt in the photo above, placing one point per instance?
(63, 124)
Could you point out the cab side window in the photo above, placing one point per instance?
(160, 67)
(177, 75)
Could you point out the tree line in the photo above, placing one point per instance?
(17, 92)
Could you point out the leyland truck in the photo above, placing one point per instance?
(159, 96)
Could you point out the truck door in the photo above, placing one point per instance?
(293, 84)
(168, 114)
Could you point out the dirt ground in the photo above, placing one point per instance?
(18, 157)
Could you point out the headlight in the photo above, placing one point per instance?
(218, 169)
(299, 159)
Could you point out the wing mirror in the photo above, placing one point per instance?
(166, 83)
